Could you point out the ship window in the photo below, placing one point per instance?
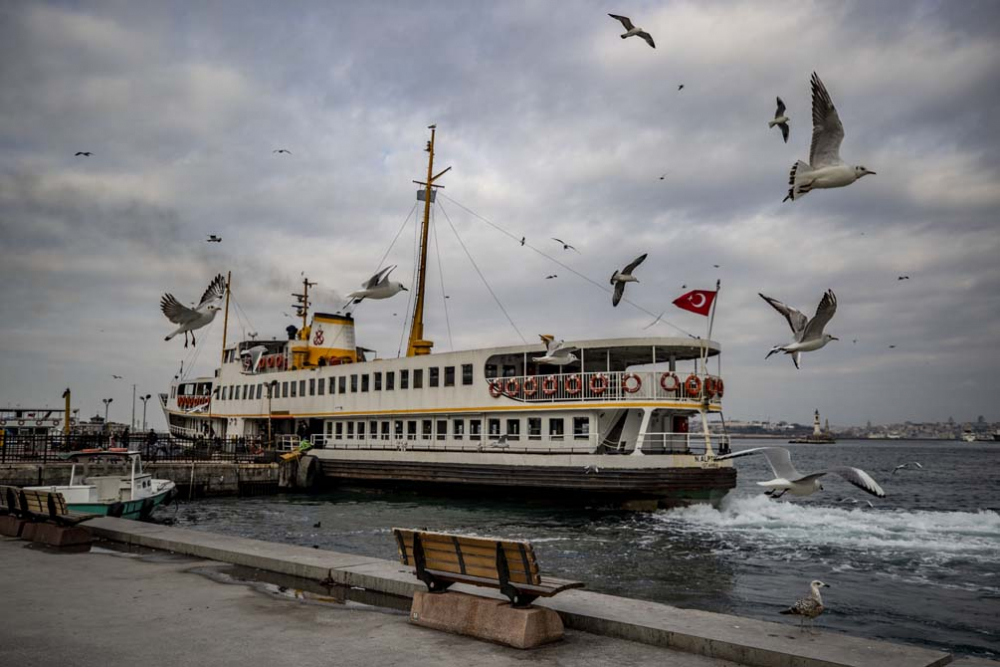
(411, 430)
(509, 370)
(361, 430)
(312, 386)
(581, 427)
(294, 388)
(320, 386)
(425, 429)
(494, 427)
(385, 430)
(354, 384)
(433, 375)
(475, 429)
(342, 384)
(491, 370)
(556, 428)
(260, 391)
(404, 379)
(534, 428)
(442, 429)
(514, 429)
(378, 381)
(284, 390)
(449, 376)
(350, 430)
(398, 429)
(466, 374)
(173, 392)
(390, 381)
(333, 386)
(302, 387)
(364, 382)
(458, 428)
(418, 378)
(340, 430)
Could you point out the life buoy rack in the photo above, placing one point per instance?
(692, 385)
(573, 385)
(630, 388)
(674, 385)
(598, 384)
(710, 387)
(530, 386)
(512, 387)
(496, 389)
(550, 385)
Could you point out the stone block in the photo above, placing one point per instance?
(52, 535)
(10, 526)
(484, 618)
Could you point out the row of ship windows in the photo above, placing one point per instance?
(438, 429)
(334, 385)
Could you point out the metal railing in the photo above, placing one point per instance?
(609, 386)
(164, 448)
(683, 442)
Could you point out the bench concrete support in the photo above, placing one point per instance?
(486, 618)
(52, 535)
(11, 526)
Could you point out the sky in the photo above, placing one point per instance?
(553, 127)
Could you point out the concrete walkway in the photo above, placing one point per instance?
(103, 609)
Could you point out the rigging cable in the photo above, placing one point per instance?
(481, 276)
(444, 297)
(410, 294)
(565, 266)
(386, 253)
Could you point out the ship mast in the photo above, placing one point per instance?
(417, 345)
(302, 304)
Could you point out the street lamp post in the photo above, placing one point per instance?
(107, 402)
(144, 399)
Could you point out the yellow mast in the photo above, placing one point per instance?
(417, 346)
(225, 331)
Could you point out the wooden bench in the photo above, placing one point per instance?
(8, 501)
(442, 559)
(49, 505)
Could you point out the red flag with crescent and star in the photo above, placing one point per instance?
(697, 301)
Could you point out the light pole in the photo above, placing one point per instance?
(107, 402)
(144, 399)
(271, 386)
(132, 424)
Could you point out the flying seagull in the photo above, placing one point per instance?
(117, 377)
(557, 353)
(905, 466)
(809, 334)
(282, 150)
(83, 153)
(378, 287)
(191, 319)
(663, 177)
(523, 239)
(632, 31)
(619, 278)
(892, 347)
(654, 321)
(680, 87)
(551, 276)
(809, 607)
(565, 245)
(903, 278)
(213, 239)
(789, 480)
(781, 120)
(825, 168)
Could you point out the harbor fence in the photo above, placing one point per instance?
(161, 448)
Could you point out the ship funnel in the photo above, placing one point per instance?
(331, 340)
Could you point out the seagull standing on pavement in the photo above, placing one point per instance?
(809, 607)
(781, 120)
(825, 168)
(192, 319)
(378, 287)
(557, 353)
(619, 278)
(632, 31)
(809, 334)
(789, 480)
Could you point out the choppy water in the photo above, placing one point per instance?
(922, 566)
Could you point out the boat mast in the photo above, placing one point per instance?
(417, 346)
(302, 305)
(225, 331)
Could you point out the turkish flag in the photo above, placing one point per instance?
(697, 301)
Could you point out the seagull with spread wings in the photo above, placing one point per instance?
(378, 287)
(809, 335)
(825, 168)
(789, 480)
(191, 319)
(619, 278)
(557, 353)
(632, 31)
(781, 120)
(565, 245)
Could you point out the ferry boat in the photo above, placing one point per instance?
(609, 427)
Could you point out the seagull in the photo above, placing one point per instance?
(557, 353)
(523, 239)
(855, 501)
(191, 319)
(213, 239)
(83, 153)
(854, 341)
(903, 278)
(892, 347)
(565, 245)
(619, 278)
(905, 466)
(809, 334)
(809, 607)
(117, 377)
(378, 287)
(318, 524)
(716, 265)
(551, 276)
(663, 177)
(282, 150)
(500, 443)
(654, 321)
(680, 87)
(781, 120)
(825, 168)
(591, 469)
(789, 480)
(632, 30)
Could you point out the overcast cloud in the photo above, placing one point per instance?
(554, 127)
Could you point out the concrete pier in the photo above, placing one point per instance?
(718, 636)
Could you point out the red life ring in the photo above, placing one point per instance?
(550, 385)
(598, 384)
(673, 385)
(692, 385)
(530, 386)
(710, 386)
(573, 389)
(625, 384)
(720, 388)
(516, 384)
(279, 362)
(269, 362)
(495, 388)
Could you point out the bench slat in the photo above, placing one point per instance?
(544, 589)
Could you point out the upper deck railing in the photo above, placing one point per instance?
(609, 386)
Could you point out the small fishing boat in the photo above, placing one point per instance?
(133, 495)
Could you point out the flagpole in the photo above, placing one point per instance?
(715, 301)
